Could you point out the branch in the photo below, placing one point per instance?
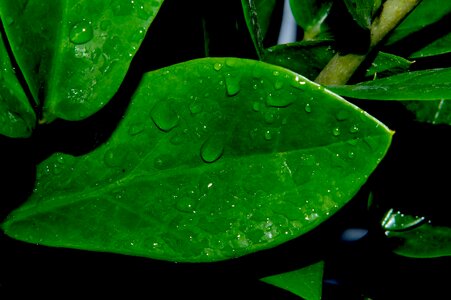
(341, 67)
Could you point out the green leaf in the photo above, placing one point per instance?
(414, 236)
(437, 47)
(306, 282)
(310, 15)
(362, 11)
(426, 13)
(387, 64)
(434, 84)
(17, 118)
(305, 58)
(215, 158)
(74, 54)
(257, 14)
(434, 112)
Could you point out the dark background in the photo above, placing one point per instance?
(410, 178)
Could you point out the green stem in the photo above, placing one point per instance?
(341, 67)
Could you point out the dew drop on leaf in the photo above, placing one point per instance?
(135, 129)
(342, 115)
(81, 33)
(217, 66)
(256, 106)
(232, 86)
(354, 129)
(269, 117)
(278, 101)
(212, 149)
(336, 131)
(268, 135)
(185, 205)
(113, 158)
(308, 108)
(164, 117)
(195, 107)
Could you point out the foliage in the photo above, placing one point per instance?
(207, 143)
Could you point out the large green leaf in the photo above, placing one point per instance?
(416, 237)
(306, 282)
(17, 118)
(215, 158)
(306, 58)
(74, 54)
(310, 15)
(426, 13)
(434, 84)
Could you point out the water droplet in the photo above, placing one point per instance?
(256, 106)
(212, 149)
(122, 8)
(269, 117)
(139, 35)
(351, 154)
(268, 135)
(336, 131)
(278, 84)
(135, 128)
(81, 33)
(308, 108)
(278, 101)
(231, 62)
(217, 66)
(164, 117)
(354, 129)
(232, 86)
(195, 107)
(185, 205)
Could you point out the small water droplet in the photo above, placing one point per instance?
(185, 205)
(195, 107)
(122, 8)
(232, 86)
(278, 101)
(336, 131)
(139, 35)
(212, 149)
(308, 108)
(268, 135)
(354, 129)
(351, 154)
(81, 33)
(164, 117)
(217, 66)
(269, 117)
(278, 84)
(113, 158)
(256, 106)
(342, 115)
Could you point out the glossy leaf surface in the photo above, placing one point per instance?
(215, 158)
(426, 13)
(255, 23)
(17, 118)
(306, 282)
(310, 15)
(74, 54)
(362, 10)
(437, 47)
(433, 84)
(305, 58)
(388, 64)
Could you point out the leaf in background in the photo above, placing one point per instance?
(215, 158)
(306, 282)
(310, 16)
(434, 84)
(437, 47)
(74, 54)
(415, 237)
(257, 14)
(426, 13)
(305, 58)
(387, 64)
(434, 112)
(17, 118)
(362, 11)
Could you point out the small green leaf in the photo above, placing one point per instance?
(211, 161)
(434, 112)
(416, 237)
(362, 11)
(17, 118)
(74, 54)
(434, 84)
(305, 58)
(437, 47)
(426, 13)
(310, 15)
(387, 64)
(306, 282)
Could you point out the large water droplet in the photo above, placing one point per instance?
(212, 149)
(164, 117)
(278, 101)
(81, 33)
(217, 66)
(232, 86)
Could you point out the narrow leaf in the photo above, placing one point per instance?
(305, 58)
(431, 84)
(426, 13)
(362, 11)
(215, 158)
(306, 282)
(310, 15)
(434, 112)
(74, 54)
(17, 118)
(387, 64)
(437, 47)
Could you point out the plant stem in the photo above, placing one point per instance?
(341, 67)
